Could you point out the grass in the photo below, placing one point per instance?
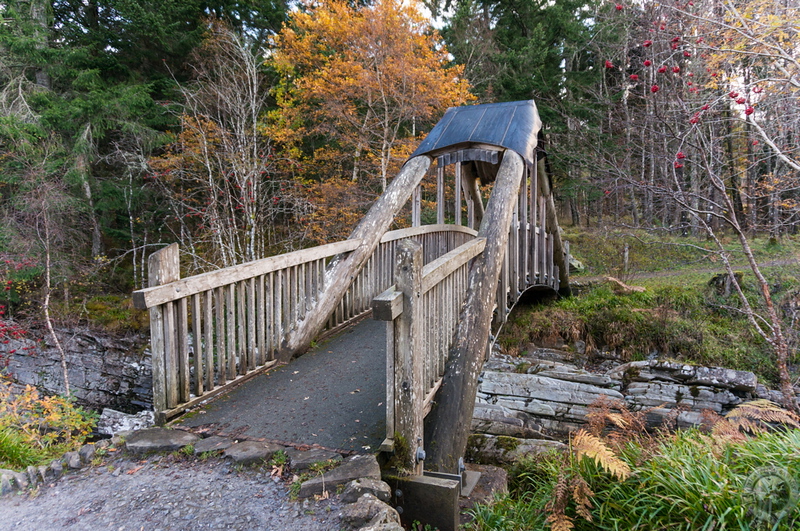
(16, 453)
(602, 251)
(678, 316)
(687, 481)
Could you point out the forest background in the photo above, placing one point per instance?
(242, 129)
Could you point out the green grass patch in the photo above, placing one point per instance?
(603, 251)
(679, 316)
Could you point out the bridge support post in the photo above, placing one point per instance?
(163, 267)
(408, 357)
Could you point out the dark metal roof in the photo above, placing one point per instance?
(512, 125)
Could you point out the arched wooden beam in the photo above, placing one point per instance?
(341, 273)
(447, 425)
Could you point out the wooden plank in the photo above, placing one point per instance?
(269, 325)
(197, 344)
(252, 341)
(162, 267)
(440, 195)
(158, 359)
(149, 297)
(278, 312)
(241, 328)
(413, 232)
(261, 320)
(171, 355)
(209, 339)
(221, 343)
(416, 207)
(390, 391)
(388, 305)
(182, 326)
(457, 199)
(230, 332)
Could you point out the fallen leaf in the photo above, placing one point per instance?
(134, 470)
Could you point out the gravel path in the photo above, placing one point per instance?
(165, 492)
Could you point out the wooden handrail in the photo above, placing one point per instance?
(149, 297)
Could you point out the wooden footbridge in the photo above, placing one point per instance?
(443, 289)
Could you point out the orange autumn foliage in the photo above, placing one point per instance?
(363, 83)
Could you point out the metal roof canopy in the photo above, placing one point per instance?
(512, 125)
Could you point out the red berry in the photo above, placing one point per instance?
(654, 89)
(648, 62)
(634, 77)
(609, 64)
(647, 43)
(748, 111)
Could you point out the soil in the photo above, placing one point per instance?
(167, 492)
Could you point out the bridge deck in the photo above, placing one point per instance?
(333, 396)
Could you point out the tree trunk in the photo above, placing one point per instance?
(448, 424)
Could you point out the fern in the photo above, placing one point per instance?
(761, 411)
(584, 444)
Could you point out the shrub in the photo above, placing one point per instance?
(37, 428)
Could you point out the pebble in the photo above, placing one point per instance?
(157, 495)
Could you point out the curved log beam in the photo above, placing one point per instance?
(447, 425)
(340, 274)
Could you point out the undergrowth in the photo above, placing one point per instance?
(733, 474)
(679, 317)
(35, 428)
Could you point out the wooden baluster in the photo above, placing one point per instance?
(222, 348)
(261, 321)
(208, 328)
(416, 207)
(440, 192)
(182, 329)
(197, 344)
(278, 313)
(230, 331)
(457, 199)
(252, 341)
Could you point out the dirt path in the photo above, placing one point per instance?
(166, 493)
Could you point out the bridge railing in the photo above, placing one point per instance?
(421, 311)
(215, 330)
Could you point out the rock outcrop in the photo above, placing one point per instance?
(546, 394)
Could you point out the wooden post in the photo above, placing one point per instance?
(449, 421)
(163, 267)
(409, 377)
(440, 193)
(457, 198)
(339, 276)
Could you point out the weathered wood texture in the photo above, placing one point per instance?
(340, 275)
(408, 356)
(442, 288)
(212, 331)
(447, 427)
